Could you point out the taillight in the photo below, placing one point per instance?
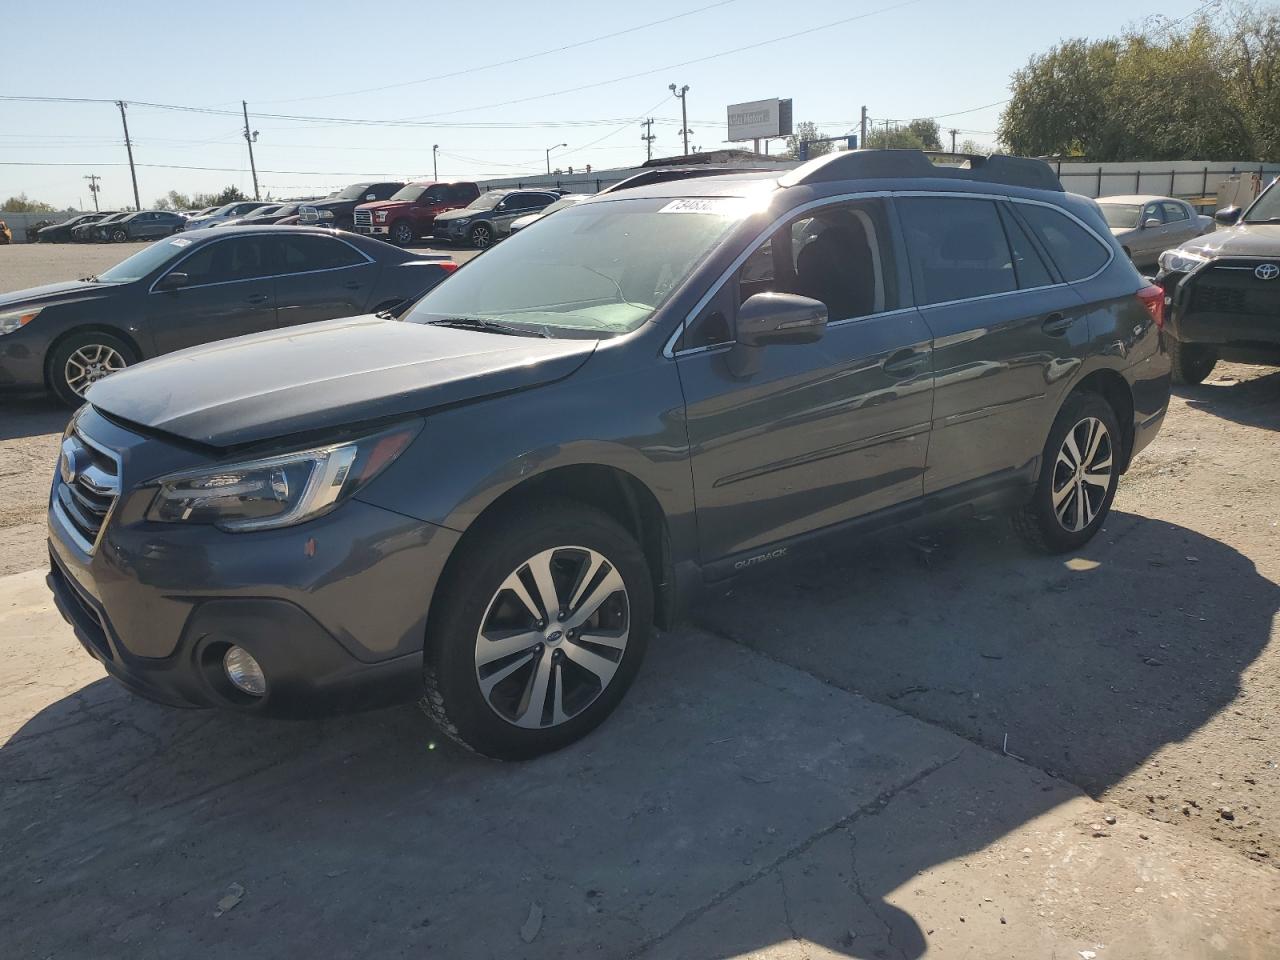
(448, 266)
(1152, 297)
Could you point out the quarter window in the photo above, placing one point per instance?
(1028, 268)
(303, 253)
(1076, 251)
(958, 248)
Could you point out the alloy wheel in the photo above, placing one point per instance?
(403, 234)
(481, 237)
(552, 637)
(89, 364)
(1082, 474)
(119, 236)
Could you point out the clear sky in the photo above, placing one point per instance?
(902, 58)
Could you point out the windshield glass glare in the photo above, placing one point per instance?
(1121, 215)
(597, 268)
(487, 201)
(354, 191)
(1265, 208)
(412, 192)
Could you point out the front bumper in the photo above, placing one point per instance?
(22, 355)
(333, 609)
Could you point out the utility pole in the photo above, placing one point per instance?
(648, 137)
(93, 179)
(128, 144)
(953, 131)
(249, 139)
(683, 94)
(435, 168)
(549, 149)
(862, 139)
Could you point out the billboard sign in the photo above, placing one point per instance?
(759, 119)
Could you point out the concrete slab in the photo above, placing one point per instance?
(733, 806)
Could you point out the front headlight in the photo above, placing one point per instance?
(380, 216)
(277, 491)
(461, 222)
(16, 320)
(326, 214)
(1180, 261)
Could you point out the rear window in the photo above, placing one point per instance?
(1076, 251)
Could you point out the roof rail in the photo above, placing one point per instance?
(896, 164)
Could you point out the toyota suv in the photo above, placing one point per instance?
(489, 502)
(1223, 291)
(410, 213)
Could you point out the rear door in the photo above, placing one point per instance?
(230, 292)
(321, 277)
(1008, 334)
(819, 433)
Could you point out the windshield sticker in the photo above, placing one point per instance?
(179, 242)
(717, 206)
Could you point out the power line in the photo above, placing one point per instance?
(520, 59)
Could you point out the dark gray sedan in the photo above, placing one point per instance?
(194, 288)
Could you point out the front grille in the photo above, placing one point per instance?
(86, 489)
(1213, 299)
(1232, 287)
(364, 218)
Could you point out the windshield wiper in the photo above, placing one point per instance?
(493, 326)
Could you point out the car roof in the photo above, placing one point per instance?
(723, 185)
(1135, 198)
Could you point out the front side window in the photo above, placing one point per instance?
(958, 248)
(303, 253)
(1076, 251)
(223, 261)
(597, 269)
(1152, 212)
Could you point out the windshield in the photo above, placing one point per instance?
(355, 191)
(263, 211)
(1121, 215)
(1266, 209)
(560, 204)
(145, 261)
(487, 201)
(601, 269)
(412, 192)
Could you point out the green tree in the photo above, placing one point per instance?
(807, 130)
(928, 133)
(894, 138)
(23, 204)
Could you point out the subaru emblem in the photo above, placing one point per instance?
(1266, 271)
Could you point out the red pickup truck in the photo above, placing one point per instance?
(411, 211)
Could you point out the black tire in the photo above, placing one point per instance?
(402, 233)
(119, 235)
(481, 236)
(56, 371)
(1038, 521)
(1191, 363)
(497, 549)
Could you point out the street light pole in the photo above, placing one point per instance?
(549, 149)
(435, 169)
(683, 94)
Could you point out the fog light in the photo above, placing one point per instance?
(243, 671)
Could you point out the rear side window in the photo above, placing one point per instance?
(958, 248)
(1076, 251)
(303, 253)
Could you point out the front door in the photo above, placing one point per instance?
(1008, 335)
(807, 436)
(230, 291)
(321, 277)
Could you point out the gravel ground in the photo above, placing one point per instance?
(1144, 670)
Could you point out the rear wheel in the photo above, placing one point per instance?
(1078, 476)
(481, 236)
(402, 233)
(1191, 362)
(83, 359)
(546, 617)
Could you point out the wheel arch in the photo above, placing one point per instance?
(130, 340)
(1113, 388)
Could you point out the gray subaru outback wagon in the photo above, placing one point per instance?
(489, 502)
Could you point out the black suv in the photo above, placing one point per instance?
(1223, 291)
(493, 499)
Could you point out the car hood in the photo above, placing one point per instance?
(64, 292)
(325, 376)
(383, 204)
(461, 214)
(1250, 240)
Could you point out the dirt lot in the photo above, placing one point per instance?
(1146, 671)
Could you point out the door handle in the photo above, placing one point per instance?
(257, 298)
(1056, 323)
(904, 363)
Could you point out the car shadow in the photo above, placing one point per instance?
(1252, 400)
(31, 416)
(129, 829)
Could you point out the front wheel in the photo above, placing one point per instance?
(1078, 476)
(402, 233)
(1191, 363)
(546, 617)
(119, 236)
(82, 360)
(481, 236)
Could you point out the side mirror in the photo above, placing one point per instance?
(1150, 222)
(370, 196)
(172, 281)
(766, 319)
(1228, 216)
